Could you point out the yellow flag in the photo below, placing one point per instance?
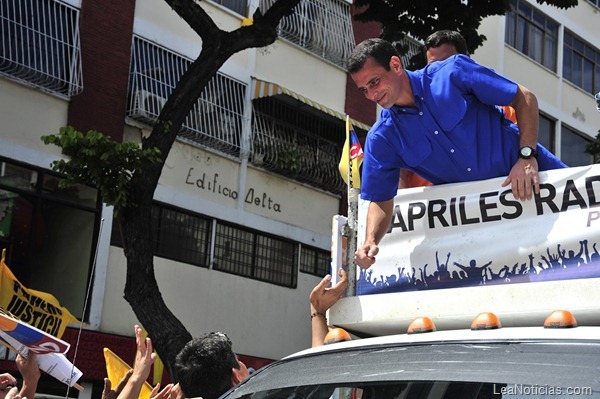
(116, 369)
(36, 308)
(352, 157)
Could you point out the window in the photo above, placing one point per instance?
(581, 63)
(547, 134)
(595, 2)
(49, 233)
(295, 141)
(180, 236)
(254, 255)
(573, 148)
(215, 120)
(323, 27)
(314, 261)
(40, 45)
(185, 236)
(532, 33)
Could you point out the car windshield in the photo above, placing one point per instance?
(443, 370)
(423, 389)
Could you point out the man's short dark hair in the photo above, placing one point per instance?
(378, 49)
(436, 39)
(203, 366)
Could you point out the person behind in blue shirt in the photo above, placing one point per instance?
(442, 123)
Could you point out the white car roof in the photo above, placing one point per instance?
(582, 333)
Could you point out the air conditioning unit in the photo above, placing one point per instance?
(147, 104)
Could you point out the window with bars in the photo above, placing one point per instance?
(215, 120)
(532, 33)
(185, 236)
(323, 27)
(40, 45)
(179, 235)
(315, 261)
(572, 147)
(581, 63)
(290, 139)
(255, 255)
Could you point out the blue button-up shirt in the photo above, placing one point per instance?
(455, 133)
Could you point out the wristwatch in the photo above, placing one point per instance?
(527, 152)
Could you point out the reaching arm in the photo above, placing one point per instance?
(523, 176)
(322, 298)
(109, 393)
(31, 374)
(144, 358)
(379, 217)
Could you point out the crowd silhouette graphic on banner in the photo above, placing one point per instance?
(556, 264)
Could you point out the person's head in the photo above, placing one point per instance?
(208, 367)
(444, 43)
(375, 67)
(381, 51)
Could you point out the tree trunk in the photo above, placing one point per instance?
(135, 220)
(141, 289)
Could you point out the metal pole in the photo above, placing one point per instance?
(350, 234)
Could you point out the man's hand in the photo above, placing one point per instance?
(13, 393)
(144, 357)
(165, 393)
(30, 371)
(28, 368)
(524, 179)
(324, 297)
(7, 382)
(365, 255)
(109, 393)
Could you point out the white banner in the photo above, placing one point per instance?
(476, 233)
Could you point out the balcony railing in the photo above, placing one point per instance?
(39, 45)
(323, 27)
(284, 142)
(287, 150)
(411, 48)
(215, 120)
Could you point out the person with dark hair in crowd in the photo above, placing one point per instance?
(442, 123)
(207, 366)
(443, 44)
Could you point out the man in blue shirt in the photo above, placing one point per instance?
(442, 123)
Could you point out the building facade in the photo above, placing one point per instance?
(242, 213)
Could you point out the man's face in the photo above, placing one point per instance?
(441, 52)
(378, 84)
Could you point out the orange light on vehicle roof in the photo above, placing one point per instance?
(560, 319)
(336, 335)
(486, 321)
(421, 325)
